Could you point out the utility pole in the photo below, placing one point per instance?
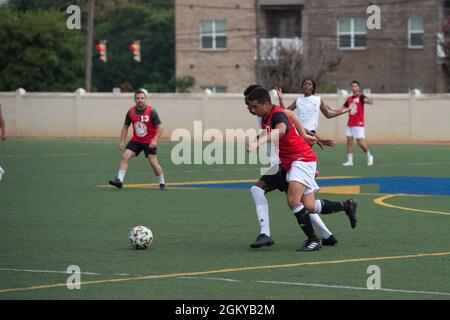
(89, 46)
(258, 44)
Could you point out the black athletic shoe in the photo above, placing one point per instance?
(262, 240)
(162, 186)
(116, 183)
(310, 245)
(350, 206)
(330, 241)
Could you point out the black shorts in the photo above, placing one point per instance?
(137, 147)
(276, 181)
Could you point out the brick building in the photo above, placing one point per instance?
(216, 42)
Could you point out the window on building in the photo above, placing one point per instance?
(415, 32)
(215, 89)
(213, 35)
(352, 33)
(283, 21)
(446, 8)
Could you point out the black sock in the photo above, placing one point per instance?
(331, 206)
(305, 223)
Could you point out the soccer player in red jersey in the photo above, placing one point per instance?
(297, 159)
(355, 125)
(2, 137)
(147, 129)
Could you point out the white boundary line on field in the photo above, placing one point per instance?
(354, 288)
(65, 272)
(328, 286)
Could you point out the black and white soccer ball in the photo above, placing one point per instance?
(141, 237)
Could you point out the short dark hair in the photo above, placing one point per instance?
(357, 82)
(260, 94)
(249, 89)
(313, 83)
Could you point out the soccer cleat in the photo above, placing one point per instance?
(310, 245)
(330, 241)
(348, 164)
(370, 161)
(116, 183)
(162, 186)
(262, 240)
(350, 206)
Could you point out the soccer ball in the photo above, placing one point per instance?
(141, 237)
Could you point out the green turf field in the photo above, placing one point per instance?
(55, 213)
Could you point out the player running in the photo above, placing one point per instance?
(299, 161)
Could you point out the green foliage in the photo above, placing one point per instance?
(327, 87)
(154, 26)
(28, 5)
(183, 84)
(38, 52)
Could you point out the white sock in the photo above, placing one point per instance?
(121, 175)
(318, 223)
(1, 173)
(350, 157)
(161, 179)
(262, 209)
(318, 206)
(368, 154)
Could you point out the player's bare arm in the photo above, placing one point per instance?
(368, 101)
(292, 106)
(159, 131)
(275, 134)
(123, 137)
(2, 126)
(307, 135)
(329, 112)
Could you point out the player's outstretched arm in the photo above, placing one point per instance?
(292, 106)
(329, 112)
(321, 142)
(368, 101)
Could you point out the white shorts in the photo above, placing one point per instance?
(304, 173)
(355, 132)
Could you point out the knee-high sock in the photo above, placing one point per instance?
(320, 225)
(304, 221)
(326, 206)
(262, 209)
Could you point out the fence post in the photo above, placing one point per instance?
(78, 110)
(19, 109)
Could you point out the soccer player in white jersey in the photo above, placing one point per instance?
(308, 106)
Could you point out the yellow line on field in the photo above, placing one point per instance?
(201, 273)
(380, 201)
(341, 190)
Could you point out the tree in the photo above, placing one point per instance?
(286, 68)
(38, 52)
(445, 44)
(154, 27)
